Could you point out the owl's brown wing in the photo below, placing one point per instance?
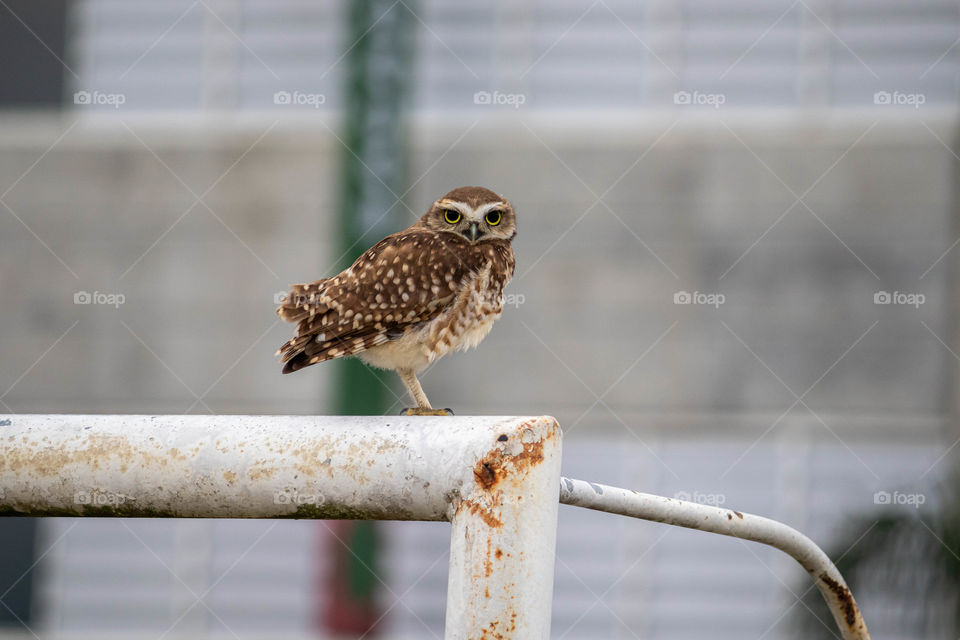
(405, 279)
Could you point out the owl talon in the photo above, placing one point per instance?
(417, 411)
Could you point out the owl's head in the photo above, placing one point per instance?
(474, 213)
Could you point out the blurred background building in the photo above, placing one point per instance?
(736, 284)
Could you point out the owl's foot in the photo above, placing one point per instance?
(417, 411)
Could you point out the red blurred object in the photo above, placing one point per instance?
(349, 581)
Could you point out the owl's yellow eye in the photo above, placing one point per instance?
(493, 218)
(452, 216)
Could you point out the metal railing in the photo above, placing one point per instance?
(495, 479)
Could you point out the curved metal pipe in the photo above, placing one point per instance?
(729, 523)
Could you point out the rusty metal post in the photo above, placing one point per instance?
(494, 478)
(729, 523)
(503, 538)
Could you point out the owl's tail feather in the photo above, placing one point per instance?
(298, 353)
(303, 300)
(297, 362)
(310, 348)
(292, 347)
(304, 351)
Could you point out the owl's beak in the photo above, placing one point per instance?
(474, 232)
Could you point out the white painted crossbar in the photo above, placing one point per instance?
(496, 479)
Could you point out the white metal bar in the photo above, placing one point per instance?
(729, 523)
(504, 585)
(494, 478)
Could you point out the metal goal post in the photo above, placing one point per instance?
(495, 479)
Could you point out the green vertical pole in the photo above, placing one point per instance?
(374, 164)
(373, 170)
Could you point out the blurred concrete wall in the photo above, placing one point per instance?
(694, 205)
(616, 219)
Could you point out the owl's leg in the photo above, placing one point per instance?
(423, 407)
(413, 386)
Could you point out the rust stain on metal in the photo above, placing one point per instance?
(97, 450)
(488, 563)
(505, 462)
(264, 473)
(499, 463)
(484, 513)
(315, 457)
(486, 474)
(493, 633)
(491, 556)
(843, 594)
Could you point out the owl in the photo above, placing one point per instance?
(413, 297)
